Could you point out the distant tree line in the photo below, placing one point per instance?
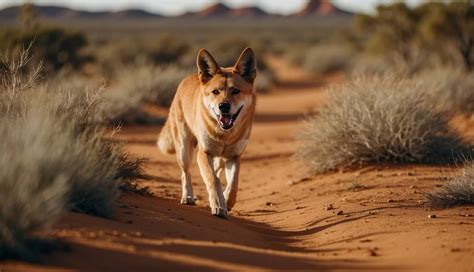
(413, 36)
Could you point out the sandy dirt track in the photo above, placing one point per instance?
(367, 219)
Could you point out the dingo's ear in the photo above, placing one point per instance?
(207, 66)
(246, 65)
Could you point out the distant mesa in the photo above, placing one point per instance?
(62, 13)
(216, 10)
(134, 13)
(220, 10)
(320, 8)
(313, 9)
(249, 12)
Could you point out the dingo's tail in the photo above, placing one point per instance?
(165, 140)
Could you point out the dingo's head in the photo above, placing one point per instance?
(227, 91)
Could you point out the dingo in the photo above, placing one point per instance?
(212, 112)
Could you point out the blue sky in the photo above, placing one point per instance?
(173, 7)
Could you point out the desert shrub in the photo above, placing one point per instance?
(227, 50)
(366, 65)
(32, 193)
(55, 47)
(114, 56)
(453, 88)
(265, 81)
(378, 119)
(55, 155)
(141, 84)
(458, 191)
(323, 58)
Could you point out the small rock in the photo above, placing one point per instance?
(432, 216)
(411, 186)
(390, 201)
(339, 213)
(372, 252)
(269, 204)
(366, 241)
(468, 215)
(329, 207)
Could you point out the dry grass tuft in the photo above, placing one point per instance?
(375, 120)
(323, 58)
(452, 87)
(141, 84)
(458, 191)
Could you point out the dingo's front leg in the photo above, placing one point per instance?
(232, 167)
(213, 184)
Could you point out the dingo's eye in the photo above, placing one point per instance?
(216, 92)
(235, 91)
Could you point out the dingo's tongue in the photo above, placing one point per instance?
(226, 120)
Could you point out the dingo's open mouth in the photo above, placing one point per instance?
(226, 121)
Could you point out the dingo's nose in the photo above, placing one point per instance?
(224, 107)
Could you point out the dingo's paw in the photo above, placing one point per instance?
(219, 212)
(188, 200)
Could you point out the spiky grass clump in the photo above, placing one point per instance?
(32, 193)
(458, 191)
(264, 82)
(453, 88)
(375, 120)
(55, 155)
(145, 83)
(323, 58)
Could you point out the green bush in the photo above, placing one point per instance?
(411, 36)
(55, 47)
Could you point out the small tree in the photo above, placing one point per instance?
(28, 16)
(452, 22)
(413, 36)
(392, 30)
